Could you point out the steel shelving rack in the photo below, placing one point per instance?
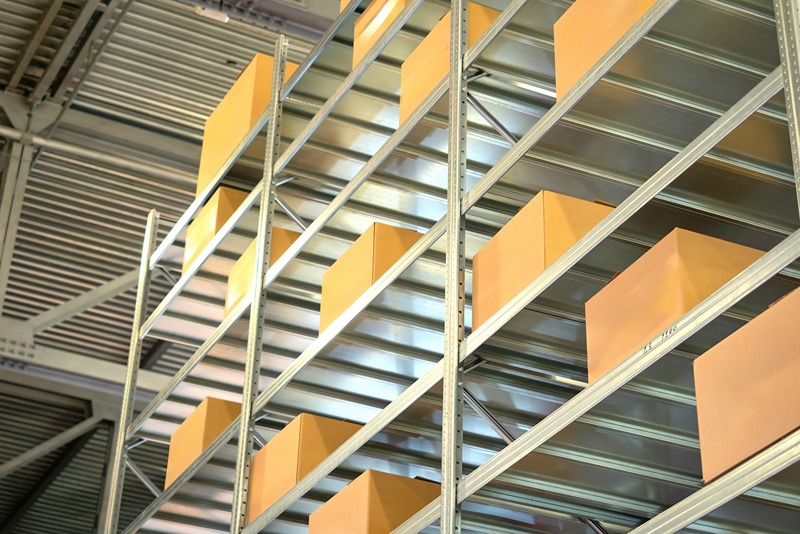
(458, 347)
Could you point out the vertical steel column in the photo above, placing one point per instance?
(453, 382)
(255, 329)
(787, 18)
(120, 454)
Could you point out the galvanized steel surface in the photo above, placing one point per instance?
(624, 461)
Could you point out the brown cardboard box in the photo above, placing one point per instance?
(343, 4)
(240, 277)
(659, 288)
(374, 503)
(747, 393)
(236, 113)
(360, 266)
(536, 237)
(429, 64)
(372, 24)
(288, 457)
(587, 31)
(197, 432)
(209, 220)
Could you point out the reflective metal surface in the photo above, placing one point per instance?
(630, 457)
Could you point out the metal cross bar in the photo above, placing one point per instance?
(487, 416)
(347, 84)
(323, 41)
(12, 196)
(355, 74)
(293, 215)
(491, 119)
(742, 478)
(156, 352)
(142, 476)
(56, 442)
(83, 302)
(53, 472)
(509, 438)
(201, 258)
(33, 43)
(79, 24)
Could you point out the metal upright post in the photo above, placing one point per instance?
(453, 380)
(120, 454)
(259, 292)
(787, 18)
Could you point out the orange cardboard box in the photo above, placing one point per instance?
(236, 113)
(209, 220)
(360, 266)
(537, 236)
(587, 31)
(747, 393)
(293, 453)
(429, 64)
(197, 432)
(240, 277)
(372, 24)
(670, 279)
(373, 503)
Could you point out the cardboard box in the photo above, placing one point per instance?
(429, 64)
(373, 503)
(670, 279)
(747, 393)
(536, 237)
(587, 31)
(240, 277)
(360, 266)
(288, 457)
(372, 24)
(197, 432)
(235, 115)
(209, 220)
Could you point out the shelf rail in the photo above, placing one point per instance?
(452, 224)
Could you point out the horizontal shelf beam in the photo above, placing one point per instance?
(683, 160)
(767, 463)
(347, 84)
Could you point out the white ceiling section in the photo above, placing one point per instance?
(118, 92)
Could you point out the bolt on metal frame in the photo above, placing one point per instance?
(458, 349)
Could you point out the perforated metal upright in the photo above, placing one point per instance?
(453, 381)
(787, 19)
(252, 370)
(116, 474)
